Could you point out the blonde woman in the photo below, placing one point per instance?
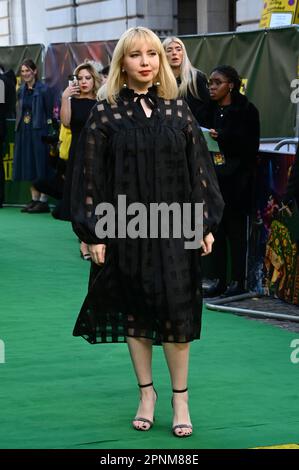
(141, 143)
(192, 83)
(77, 101)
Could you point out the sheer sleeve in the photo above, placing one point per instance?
(203, 178)
(89, 180)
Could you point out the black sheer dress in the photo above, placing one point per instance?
(147, 287)
(80, 110)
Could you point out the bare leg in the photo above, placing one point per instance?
(35, 195)
(177, 357)
(141, 356)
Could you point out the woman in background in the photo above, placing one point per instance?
(192, 83)
(77, 101)
(234, 123)
(33, 123)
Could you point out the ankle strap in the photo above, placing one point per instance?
(180, 391)
(147, 385)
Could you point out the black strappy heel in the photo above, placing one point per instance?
(180, 426)
(145, 420)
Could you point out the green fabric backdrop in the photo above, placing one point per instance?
(268, 59)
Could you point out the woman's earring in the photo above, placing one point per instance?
(124, 85)
(157, 83)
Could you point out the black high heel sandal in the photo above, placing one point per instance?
(145, 420)
(181, 426)
(85, 256)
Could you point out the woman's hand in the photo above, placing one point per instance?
(206, 244)
(214, 133)
(65, 111)
(71, 90)
(97, 253)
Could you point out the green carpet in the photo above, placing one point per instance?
(57, 391)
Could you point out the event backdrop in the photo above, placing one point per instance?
(267, 60)
(62, 59)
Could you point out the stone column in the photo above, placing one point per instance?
(212, 16)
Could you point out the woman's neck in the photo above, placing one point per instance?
(142, 89)
(176, 71)
(88, 96)
(226, 100)
(30, 84)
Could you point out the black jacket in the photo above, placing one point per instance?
(238, 129)
(198, 106)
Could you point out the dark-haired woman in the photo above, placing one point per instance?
(234, 123)
(34, 116)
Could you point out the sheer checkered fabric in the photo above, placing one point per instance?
(148, 287)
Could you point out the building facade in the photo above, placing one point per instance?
(53, 21)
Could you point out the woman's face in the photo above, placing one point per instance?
(174, 53)
(141, 65)
(219, 86)
(27, 74)
(86, 81)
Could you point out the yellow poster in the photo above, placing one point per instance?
(243, 86)
(279, 13)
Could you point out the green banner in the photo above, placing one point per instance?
(13, 56)
(267, 60)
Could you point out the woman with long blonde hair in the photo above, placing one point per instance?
(192, 83)
(141, 145)
(77, 101)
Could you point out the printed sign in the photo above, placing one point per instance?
(279, 13)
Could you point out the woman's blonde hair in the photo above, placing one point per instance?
(116, 78)
(93, 73)
(188, 73)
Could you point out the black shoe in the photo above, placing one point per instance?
(213, 288)
(30, 205)
(148, 423)
(85, 256)
(39, 208)
(234, 288)
(180, 427)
